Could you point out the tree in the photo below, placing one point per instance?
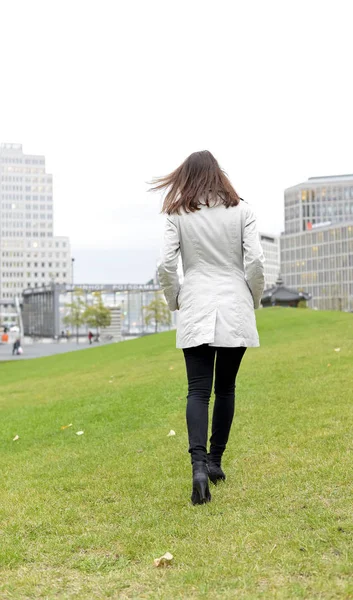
(97, 315)
(157, 312)
(75, 317)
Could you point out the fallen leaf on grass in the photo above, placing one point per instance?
(66, 426)
(17, 437)
(171, 433)
(329, 364)
(80, 432)
(337, 349)
(163, 561)
(171, 368)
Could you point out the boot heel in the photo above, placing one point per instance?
(200, 490)
(200, 493)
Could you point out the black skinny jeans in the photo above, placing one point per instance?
(200, 362)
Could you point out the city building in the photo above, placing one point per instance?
(271, 248)
(30, 254)
(317, 243)
(319, 201)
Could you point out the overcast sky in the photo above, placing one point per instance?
(114, 93)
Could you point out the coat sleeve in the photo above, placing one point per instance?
(253, 258)
(168, 265)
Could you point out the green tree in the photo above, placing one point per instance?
(97, 315)
(75, 317)
(157, 312)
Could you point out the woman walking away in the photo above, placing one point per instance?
(216, 234)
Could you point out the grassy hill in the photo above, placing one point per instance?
(84, 516)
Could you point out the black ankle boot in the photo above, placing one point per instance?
(215, 472)
(200, 490)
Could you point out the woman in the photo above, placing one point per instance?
(216, 234)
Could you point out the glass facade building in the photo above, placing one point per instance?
(44, 308)
(318, 201)
(317, 244)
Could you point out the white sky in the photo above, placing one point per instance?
(114, 93)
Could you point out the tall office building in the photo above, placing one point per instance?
(271, 248)
(317, 243)
(30, 255)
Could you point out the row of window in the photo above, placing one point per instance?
(314, 237)
(328, 193)
(331, 273)
(319, 214)
(19, 161)
(11, 264)
(18, 179)
(42, 244)
(31, 255)
(21, 275)
(46, 207)
(19, 254)
(31, 265)
(28, 225)
(60, 278)
(8, 223)
(271, 255)
(340, 209)
(12, 188)
(322, 250)
(11, 169)
(19, 205)
(325, 290)
(20, 234)
(34, 189)
(20, 215)
(15, 284)
(19, 199)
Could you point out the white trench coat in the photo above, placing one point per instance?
(223, 275)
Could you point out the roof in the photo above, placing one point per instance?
(322, 179)
(284, 294)
(347, 176)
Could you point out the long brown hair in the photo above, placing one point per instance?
(198, 180)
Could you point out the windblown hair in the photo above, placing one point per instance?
(197, 182)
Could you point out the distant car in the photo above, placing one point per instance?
(15, 329)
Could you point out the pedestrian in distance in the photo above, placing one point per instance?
(90, 336)
(16, 346)
(215, 233)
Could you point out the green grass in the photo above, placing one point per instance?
(84, 516)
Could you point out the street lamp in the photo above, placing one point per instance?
(72, 269)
